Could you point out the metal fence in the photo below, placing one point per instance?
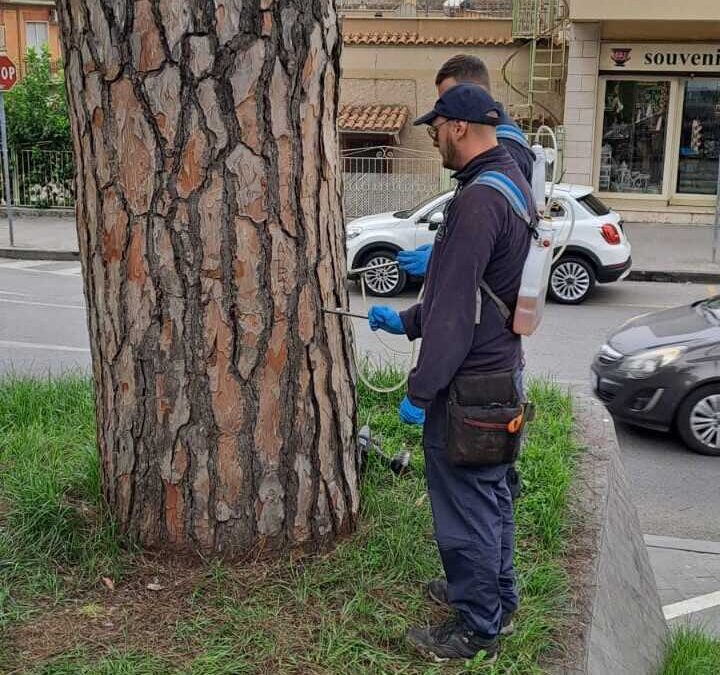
(474, 8)
(40, 178)
(382, 179)
(375, 179)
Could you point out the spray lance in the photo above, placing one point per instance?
(399, 463)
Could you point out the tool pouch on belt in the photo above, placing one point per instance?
(485, 420)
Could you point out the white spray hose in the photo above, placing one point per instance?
(412, 353)
(551, 199)
(551, 133)
(568, 208)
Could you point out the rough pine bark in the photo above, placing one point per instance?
(211, 235)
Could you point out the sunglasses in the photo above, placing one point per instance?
(433, 130)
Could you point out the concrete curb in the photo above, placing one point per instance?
(617, 623)
(29, 212)
(686, 545)
(675, 277)
(38, 254)
(678, 277)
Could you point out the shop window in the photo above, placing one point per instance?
(36, 35)
(3, 46)
(700, 138)
(632, 155)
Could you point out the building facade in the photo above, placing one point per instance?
(642, 106)
(390, 57)
(26, 25)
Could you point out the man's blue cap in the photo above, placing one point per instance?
(466, 102)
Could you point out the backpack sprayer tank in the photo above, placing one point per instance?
(536, 272)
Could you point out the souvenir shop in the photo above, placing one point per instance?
(657, 130)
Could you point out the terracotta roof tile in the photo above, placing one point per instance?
(388, 118)
(417, 39)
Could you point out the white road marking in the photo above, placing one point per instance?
(75, 270)
(692, 605)
(21, 264)
(41, 304)
(614, 305)
(22, 295)
(39, 267)
(34, 345)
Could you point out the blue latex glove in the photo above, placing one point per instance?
(385, 318)
(409, 413)
(415, 262)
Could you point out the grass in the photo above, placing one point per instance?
(689, 652)
(53, 533)
(343, 612)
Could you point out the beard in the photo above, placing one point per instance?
(449, 157)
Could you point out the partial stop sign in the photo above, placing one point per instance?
(8, 73)
(8, 77)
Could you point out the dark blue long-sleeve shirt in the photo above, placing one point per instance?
(521, 153)
(481, 238)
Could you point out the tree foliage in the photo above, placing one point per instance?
(36, 107)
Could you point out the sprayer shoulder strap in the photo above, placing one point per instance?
(513, 194)
(507, 188)
(510, 132)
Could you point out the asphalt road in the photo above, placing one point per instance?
(43, 329)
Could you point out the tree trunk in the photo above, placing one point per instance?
(211, 235)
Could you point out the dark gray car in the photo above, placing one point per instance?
(662, 371)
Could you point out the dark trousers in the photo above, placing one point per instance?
(474, 528)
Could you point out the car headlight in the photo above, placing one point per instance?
(352, 232)
(647, 363)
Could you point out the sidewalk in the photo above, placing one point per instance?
(681, 252)
(687, 573)
(661, 252)
(39, 238)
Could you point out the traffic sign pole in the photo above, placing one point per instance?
(6, 169)
(8, 77)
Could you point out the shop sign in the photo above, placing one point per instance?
(686, 58)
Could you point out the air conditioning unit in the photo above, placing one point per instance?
(53, 15)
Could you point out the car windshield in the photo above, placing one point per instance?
(594, 205)
(409, 213)
(710, 306)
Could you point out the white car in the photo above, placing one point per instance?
(597, 251)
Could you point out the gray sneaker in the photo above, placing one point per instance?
(437, 592)
(451, 640)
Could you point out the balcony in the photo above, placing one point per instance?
(436, 9)
(661, 10)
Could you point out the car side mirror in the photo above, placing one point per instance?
(436, 220)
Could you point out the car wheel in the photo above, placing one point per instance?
(386, 281)
(698, 420)
(572, 279)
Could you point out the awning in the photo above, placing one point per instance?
(375, 119)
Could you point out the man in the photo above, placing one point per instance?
(482, 240)
(468, 68)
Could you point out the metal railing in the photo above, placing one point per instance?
(376, 180)
(40, 178)
(501, 9)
